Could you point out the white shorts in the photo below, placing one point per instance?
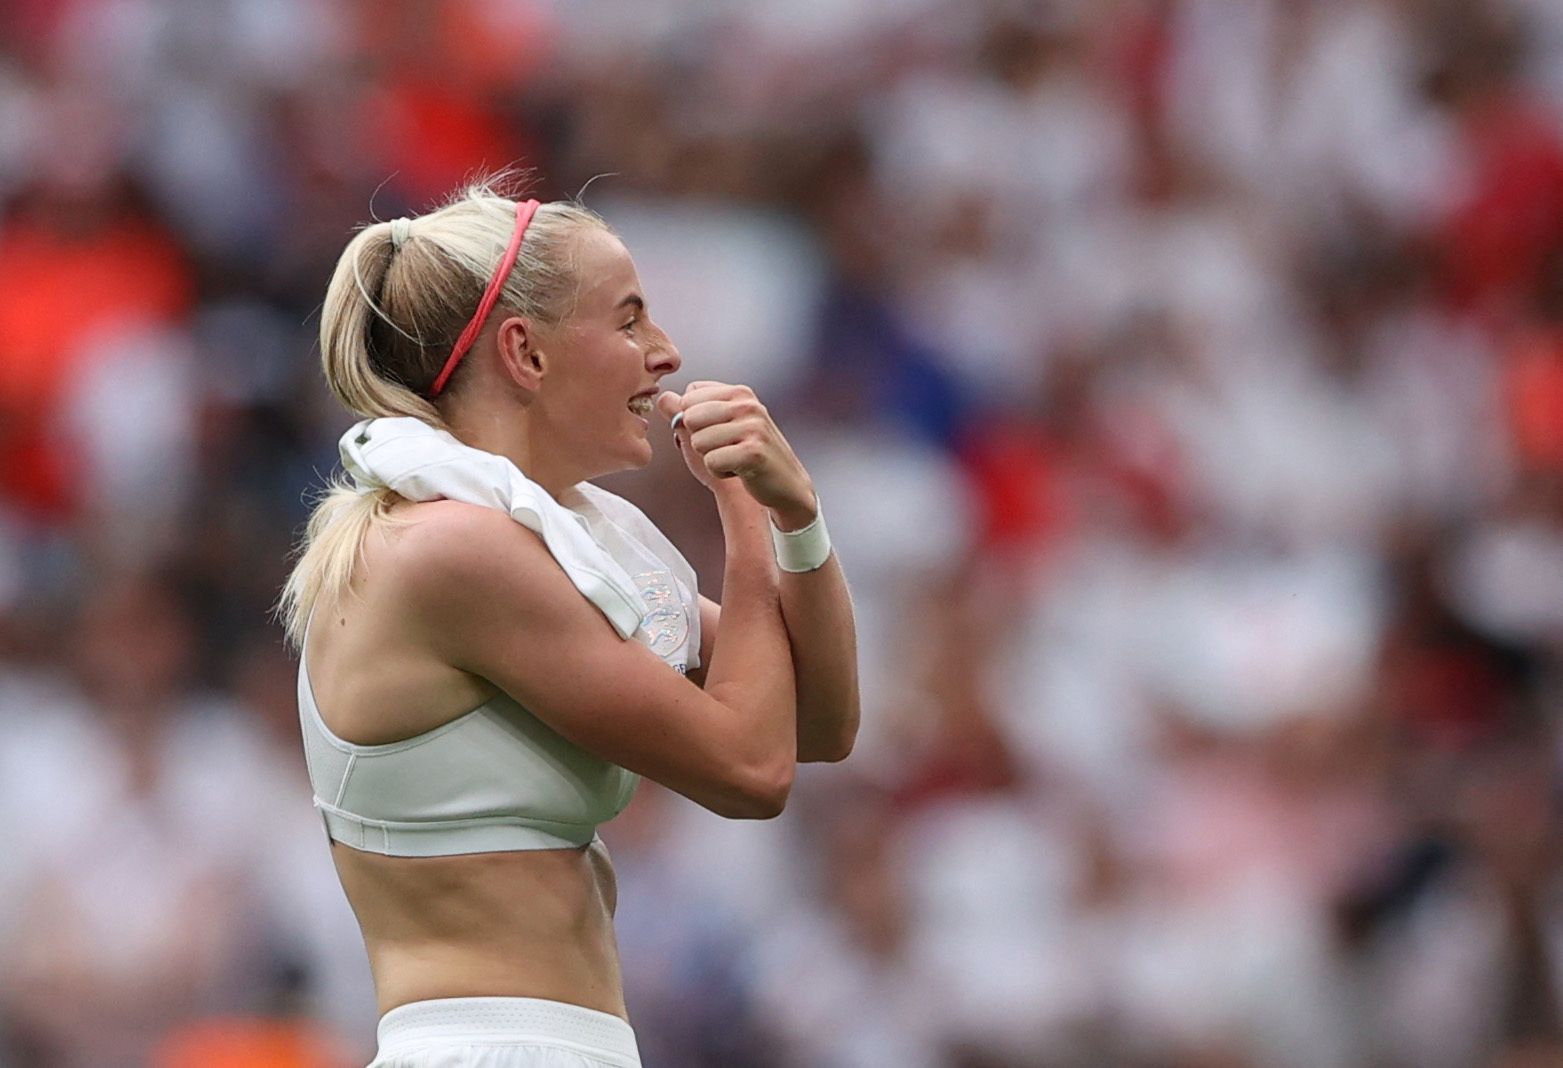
(503, 1033)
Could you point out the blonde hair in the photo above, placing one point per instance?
(399, 298)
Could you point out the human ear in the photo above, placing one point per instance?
(519, 353)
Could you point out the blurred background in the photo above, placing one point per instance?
(1184, 383)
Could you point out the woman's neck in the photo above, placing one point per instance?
(509, 434)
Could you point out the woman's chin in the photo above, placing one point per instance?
(635, 455)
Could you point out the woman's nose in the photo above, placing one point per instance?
(662, 356)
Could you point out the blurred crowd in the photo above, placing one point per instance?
(1183, 380)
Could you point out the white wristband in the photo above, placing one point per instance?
(802, 550)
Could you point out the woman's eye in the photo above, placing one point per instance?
(629, 325)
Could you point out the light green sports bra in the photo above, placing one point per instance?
(497, 778)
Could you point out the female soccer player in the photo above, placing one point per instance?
(493, 650)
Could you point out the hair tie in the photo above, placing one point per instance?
(401, 230)
(524, 212)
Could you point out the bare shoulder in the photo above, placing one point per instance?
(451, 537)
(444, 558)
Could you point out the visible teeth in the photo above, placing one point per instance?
(640, 405)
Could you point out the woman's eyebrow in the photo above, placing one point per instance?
(634, 300)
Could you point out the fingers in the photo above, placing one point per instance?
(732, 460)
(724, 426)
(703, 410)
(669, 404)
(696, 392)
(673, 406)
(714, 437)
(729, 448)
(724, 432)
(702, 414)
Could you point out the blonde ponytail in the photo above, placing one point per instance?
(392, 312)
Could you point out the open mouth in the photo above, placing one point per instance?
(641, 404)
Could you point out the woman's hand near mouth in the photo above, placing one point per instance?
(725, 433)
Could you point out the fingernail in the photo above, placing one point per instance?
(678, 417)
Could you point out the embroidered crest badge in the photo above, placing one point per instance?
(665, 626)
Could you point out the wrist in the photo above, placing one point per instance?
(803, 549)
(733, 500)
(794, 517)
(744, 522)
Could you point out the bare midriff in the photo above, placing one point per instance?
(535, 924)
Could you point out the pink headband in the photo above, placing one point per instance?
(524, 212)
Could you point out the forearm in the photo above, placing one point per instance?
(730, 441)
(816, 609)
(751, 666)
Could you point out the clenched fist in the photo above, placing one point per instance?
(726, 433)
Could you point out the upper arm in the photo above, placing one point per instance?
(489, 598)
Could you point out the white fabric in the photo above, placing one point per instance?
(668, 587)
(498, 778)
(425, 464)
(492, 780)
(503, 1033)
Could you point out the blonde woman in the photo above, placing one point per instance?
(493, 650)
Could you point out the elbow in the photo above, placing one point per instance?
(835, 751)
(834, 745)
(760, 793)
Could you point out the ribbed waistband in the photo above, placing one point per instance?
(524, 1021)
